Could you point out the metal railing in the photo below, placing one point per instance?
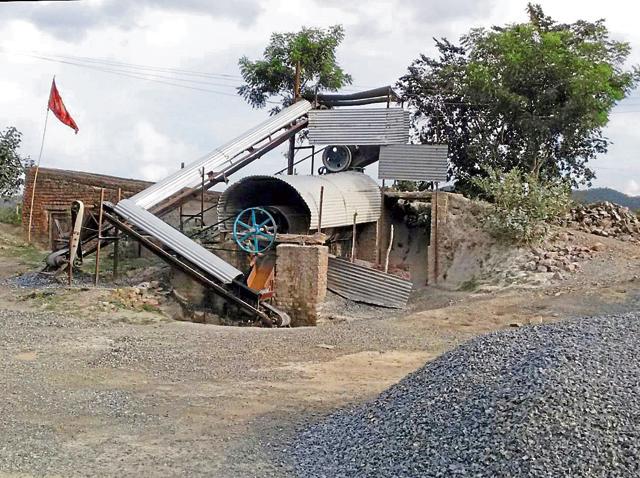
(312, 155)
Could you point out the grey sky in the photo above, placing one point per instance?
(144, 129)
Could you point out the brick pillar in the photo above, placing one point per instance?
(301, 281)
(367, 242)
(435, 255)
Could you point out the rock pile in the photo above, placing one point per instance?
(556, 400)
(558, 257)
(144, 295)
(605, 219)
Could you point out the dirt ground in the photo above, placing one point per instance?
(90, 392)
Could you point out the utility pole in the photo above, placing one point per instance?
(292, 140)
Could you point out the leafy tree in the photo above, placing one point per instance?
(293, 65)
(534, 96)
(11, 164)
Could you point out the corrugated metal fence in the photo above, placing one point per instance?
(367, 285)
(414, 162)
(362, 126)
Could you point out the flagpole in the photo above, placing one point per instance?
(35, 175)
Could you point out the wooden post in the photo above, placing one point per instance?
(320, 209)
(377, 242)
(116, 245)
(435, 237)
(99, 238)
(386, 260)
(353, 238)
(202, 200)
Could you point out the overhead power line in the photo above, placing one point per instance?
(140, 68)
(137, 66)
(136, 72)
(146, 77)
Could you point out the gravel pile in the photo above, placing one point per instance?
(544, 401)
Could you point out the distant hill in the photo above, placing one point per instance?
(606, 194)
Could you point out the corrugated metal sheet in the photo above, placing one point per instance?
(176, 241)
(219, 159)
(414, 162)
(344, 194)
(360, 126)
(367, 285)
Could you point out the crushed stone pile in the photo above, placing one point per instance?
(605, 219)
(559, 400)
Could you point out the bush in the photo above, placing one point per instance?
(522, 205)
(10, 215)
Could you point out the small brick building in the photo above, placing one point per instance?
(56, 189)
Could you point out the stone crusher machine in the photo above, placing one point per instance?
(254, 227)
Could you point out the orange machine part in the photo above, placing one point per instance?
(261, 276)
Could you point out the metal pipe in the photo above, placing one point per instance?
(202, 190)
(374, 93)
(291, 155)
(181, 210)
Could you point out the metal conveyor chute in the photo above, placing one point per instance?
(177, 242)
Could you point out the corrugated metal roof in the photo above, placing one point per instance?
(176, 241)
(219, 159)
(344, 194)
(414, 162)
(367, 285)
(359, 126)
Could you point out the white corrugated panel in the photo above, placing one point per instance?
(414, 162)
(359, 126)
(176, 241)
(344, 194)
(219, 159)
(364, 284)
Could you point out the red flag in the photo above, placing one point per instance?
(57, 106)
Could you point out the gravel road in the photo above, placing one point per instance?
(556, 400)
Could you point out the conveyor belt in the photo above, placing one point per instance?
(225, 158)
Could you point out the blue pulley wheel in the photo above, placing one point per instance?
(254, 230)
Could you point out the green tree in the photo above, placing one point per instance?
(12, 166)
(534, 96)
(293, 65)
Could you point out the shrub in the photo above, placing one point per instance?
(10, 215)
(522, 205)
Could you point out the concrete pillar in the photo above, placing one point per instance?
(301, 281)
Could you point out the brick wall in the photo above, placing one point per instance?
(56, 189)
(301, 281)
